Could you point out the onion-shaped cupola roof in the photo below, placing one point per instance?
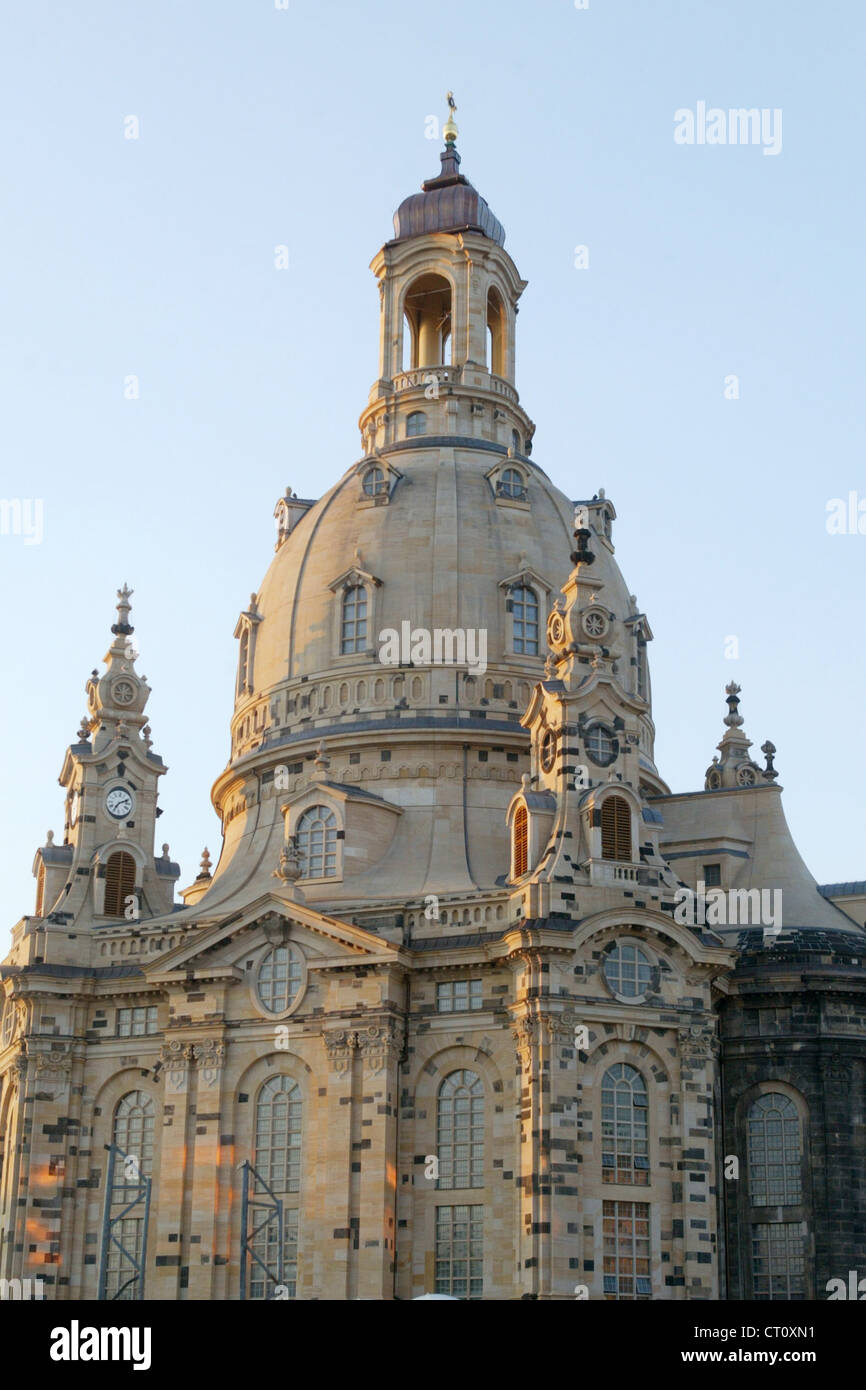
(447, 203)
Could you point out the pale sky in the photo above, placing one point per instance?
(259, 127)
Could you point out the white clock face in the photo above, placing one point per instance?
(118, 803)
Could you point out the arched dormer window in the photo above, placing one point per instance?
(353, 633)
(416, 423)
(317, 842)
(460, 1131)
(511, 484)
(624, 1127)
(524, 613)
(616, 829)
(119, 883)
(520, 842)
(375, 483)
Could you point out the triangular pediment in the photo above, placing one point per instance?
(221, 947)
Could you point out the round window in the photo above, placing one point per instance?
(595, 623)
(279, 979)
(627, 970)
(548, 751)
(601, 746)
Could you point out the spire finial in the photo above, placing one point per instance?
(122, 627)
(733, 718)
(449, 130)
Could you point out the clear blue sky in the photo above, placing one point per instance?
(306, 127)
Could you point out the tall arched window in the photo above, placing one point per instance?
(119, 883)
(616, 829)
(428, 311)
(353, 633)
(624, 1126)
(132, 1133)
(244, 662)
(775, 1148)
(495, 333)
(520, 833)
(277, 1161)
(524, 612)
(460, 1131)
(317, 842)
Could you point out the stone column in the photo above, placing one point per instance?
(698, 1052)
(169, 1183)
(204, 1208)
(380, 1047)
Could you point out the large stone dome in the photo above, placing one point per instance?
(445, 531)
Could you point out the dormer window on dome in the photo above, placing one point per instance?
(375, 483)
(509, 482)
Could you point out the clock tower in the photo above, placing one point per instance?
(105, 872)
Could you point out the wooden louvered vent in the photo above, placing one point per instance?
(119, 883)
(616, 829)
(521, 841)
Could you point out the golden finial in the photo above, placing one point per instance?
(450, 128)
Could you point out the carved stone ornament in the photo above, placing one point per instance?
(176, 1059)
(210, 1055)
(380, 1044)
(339, 1045)
(697, 1044)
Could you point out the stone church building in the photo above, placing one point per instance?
(443, 1018)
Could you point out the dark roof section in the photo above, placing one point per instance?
(842, 890)
(448, 203)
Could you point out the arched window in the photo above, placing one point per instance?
(353, 635)
(627, 970)
(495, 333)
(279, 979)
(375, 483)
(520, 833)
(119, 883)
(428, 311)
(775, 1149)
(511, 484)
(132, 1134)
(624, 1126)
(616, 829)
(277, 1161)
(515, 442)
(460, 1131)
(524, 612)
(317, 842)
(416, 423)
(244, 661)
